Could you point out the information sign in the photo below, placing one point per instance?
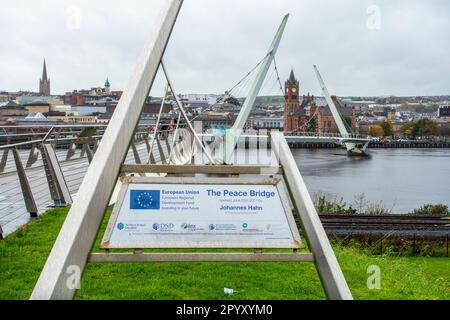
(202, 213)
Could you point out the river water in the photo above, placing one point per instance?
(404, 179)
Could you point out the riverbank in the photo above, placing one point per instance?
(375, 145)
(23, 254)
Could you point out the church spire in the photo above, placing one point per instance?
(44, 72)
(44, 82)
(107, 86)
(292, 79)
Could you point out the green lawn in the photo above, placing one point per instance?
(23, 255)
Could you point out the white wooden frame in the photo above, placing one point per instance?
(200, 257)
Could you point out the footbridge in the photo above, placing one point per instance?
(43, 166)
(334, 138)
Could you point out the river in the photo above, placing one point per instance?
(404, 179)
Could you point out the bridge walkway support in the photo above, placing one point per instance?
(327, 265)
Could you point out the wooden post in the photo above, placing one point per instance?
(330, 272)
(25, 186)
(59, 190)
(32, 158)
(4, 160)
(137, 158)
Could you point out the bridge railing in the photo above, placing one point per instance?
(68, 138)
(326, 135)
(50, 166)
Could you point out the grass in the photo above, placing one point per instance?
(23, 254)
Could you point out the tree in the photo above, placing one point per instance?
(421, 128)
(376, 131)
(387, 128)
(426, 128)
(408, 129)
(444, 131)
(312, 125)
(348, 121)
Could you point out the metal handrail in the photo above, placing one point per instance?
(21, 135)
(46, 139)
(20, 144)
(57, 182)
(326, 135)
(66, 126)
(56, 126)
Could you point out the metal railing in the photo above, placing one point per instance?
(50, 169)
(326, 135)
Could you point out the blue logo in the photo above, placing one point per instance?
(120, 226)
(145, 200)
(163, 227)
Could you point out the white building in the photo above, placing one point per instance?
(88, 110)
(267, 123)
(199, 99)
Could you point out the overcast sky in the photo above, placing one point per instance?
(362, 48)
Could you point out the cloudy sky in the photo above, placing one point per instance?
(363, 48)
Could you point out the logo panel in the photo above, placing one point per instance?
(145, 200)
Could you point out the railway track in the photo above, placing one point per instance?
(397, 225)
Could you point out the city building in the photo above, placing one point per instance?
(92, 96)
(10, 111)
(268, 123)
(37, 119)
(107, 86)
(295, 114)
(311, 114)
(150, 107)
(198, 100)
(444, 111)
(38, 106)
(88, 110)
(74, 119)
(211, 120)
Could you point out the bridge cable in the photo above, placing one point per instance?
(248, 74)
(155, 130)
(189, 124)
(239, 83)
(279, 80)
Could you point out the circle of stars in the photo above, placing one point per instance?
(145, 200)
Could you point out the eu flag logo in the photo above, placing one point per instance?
(145, 200)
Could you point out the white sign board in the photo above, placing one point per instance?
(202, 213)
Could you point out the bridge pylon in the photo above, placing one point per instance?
(353, 149)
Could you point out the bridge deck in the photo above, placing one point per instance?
(13, 213)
